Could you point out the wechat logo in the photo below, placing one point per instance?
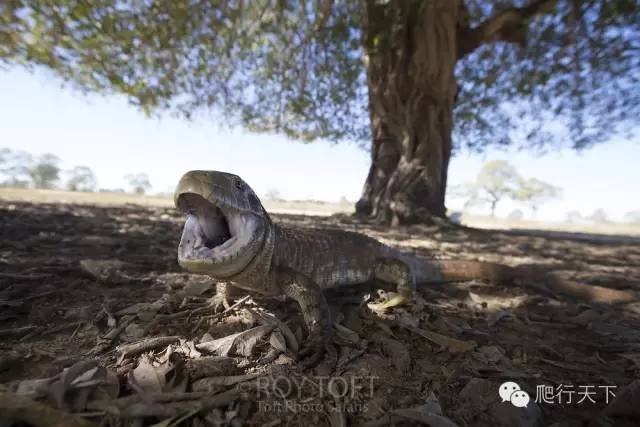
(511, 392)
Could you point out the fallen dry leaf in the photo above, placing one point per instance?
(82, 382)
(278, 341)
(241, 343)
(153, 377)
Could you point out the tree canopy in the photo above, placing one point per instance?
(81, 178)
(534, 192)
(139, 182)
(496, 180)
(20, 169)
(15, 167)
(532, 73)
(45, 171)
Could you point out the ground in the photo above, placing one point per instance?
(97, 289)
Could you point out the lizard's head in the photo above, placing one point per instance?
(225, 223)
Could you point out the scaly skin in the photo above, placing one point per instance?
(300, 263)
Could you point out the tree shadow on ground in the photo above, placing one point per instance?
(456, 343)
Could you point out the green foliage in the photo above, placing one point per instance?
(266, 65)
(19, 169)
(498, 180)
(535, 192)
(499, 177)
(45, 172)
(15, 167)
(296, 67)
(138, 182)
(81, 178)
(569, 84)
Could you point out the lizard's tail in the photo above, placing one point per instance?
(430, 271)
(458, 271)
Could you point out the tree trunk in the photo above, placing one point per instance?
(410, 50)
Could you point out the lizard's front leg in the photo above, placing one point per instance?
(225, 291)
(397, 272)
(316, 314)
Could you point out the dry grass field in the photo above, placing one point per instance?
(308, 208)
(612, 228)
(119, 199)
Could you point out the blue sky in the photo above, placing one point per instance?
(39, 114)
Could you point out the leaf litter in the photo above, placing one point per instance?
(141, 344)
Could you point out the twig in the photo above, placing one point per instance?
(145, 345)
(113, 334)
(62, 327)
(196, 311)
(197, 326)
(75, 332)
(24, 276)
(454, 345)
(16, 332)
(42, 294)
(231, 308)
(130, 405)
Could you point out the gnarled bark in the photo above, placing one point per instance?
(411, 48)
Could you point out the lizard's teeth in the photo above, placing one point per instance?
(226, 245)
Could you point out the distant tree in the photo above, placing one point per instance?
(273, 195)
(15, 167)
(45, 171)
(496, 181)
(4, 155)
(516, 215)
(633, 217)
(138, 182)
(534, 192)
(574, 216)
(81, 178)
(599, 215)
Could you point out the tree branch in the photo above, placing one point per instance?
(508, 25)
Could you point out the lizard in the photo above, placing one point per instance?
(229, 236)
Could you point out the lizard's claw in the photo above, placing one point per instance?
(218, 302)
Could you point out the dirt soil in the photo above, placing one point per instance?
(99, 326)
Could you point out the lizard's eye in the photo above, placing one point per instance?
(239, 185)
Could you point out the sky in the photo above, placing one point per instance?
(39, 114)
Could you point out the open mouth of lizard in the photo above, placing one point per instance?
(216, 239)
